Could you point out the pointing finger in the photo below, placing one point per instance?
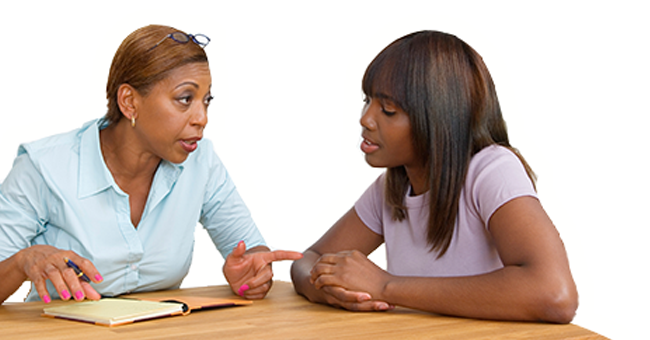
(280, 255)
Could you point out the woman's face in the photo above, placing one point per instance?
(170, 119)
(386, 135)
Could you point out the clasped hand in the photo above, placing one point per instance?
(350, 280)
(249, 273)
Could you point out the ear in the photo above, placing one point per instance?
(126, 100)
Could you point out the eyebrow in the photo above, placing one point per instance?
(188, 83)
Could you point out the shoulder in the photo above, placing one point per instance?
(376, 190)
(495, 162)
(371, 204)
(55, 146)
(204, 166)
(204, 156)
(493, 156)
(495, 176)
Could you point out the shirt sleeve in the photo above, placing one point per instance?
(224, 214)
(370, 206)
(495, 177)
(23, 213)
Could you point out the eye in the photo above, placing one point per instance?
(185, 100)
(387, 112)
(207, 100)
(388, 107)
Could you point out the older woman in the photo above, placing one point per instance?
(121, 196)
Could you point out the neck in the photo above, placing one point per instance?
(418, 178)
(124, 155)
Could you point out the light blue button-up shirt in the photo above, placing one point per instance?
(60, 193)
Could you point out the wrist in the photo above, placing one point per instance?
(17, 262)
(389, 288)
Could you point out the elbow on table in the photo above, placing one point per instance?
(560, 306)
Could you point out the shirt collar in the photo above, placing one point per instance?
(94, 176)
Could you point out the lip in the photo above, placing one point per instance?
(368, 145)
(189, 144)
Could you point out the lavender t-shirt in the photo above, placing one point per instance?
(495, 176)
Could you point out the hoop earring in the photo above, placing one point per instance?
(132, 121)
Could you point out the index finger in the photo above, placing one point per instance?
(280, 255)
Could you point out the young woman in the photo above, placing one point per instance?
(465, 233)
(121, 196)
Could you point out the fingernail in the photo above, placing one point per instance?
(79, 295)
(383, 306)
(242, 289)
(99, 278)
(364, 297)
(46, 299)
(65, 295)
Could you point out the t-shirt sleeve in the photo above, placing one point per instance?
(495, 177)
(370, 206)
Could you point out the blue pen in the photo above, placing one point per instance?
(76, 269)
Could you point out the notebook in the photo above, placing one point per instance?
(119, 311)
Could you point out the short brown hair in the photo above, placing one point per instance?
(140, 65)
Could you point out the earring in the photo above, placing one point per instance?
(132, 121)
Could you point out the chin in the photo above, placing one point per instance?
(177, 159)
(374, 163)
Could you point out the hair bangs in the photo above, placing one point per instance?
(387, 76)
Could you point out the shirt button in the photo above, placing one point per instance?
(134, 266)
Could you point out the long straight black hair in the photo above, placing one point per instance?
(445, 88)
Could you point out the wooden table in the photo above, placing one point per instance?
(281, 315)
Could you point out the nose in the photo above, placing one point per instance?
(200, 116)
(367, 121)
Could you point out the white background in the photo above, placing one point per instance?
(572, 80)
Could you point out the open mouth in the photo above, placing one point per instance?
(189, 145)
(368, 146)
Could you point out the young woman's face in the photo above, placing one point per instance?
(172, 116)
(386, 135)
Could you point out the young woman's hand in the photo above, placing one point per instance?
(352, 300)
(249, 273)
(351, 281)
(42, 262)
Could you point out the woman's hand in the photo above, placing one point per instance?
(352, 300)
(351, 281)
(249, 272)
(41, 263)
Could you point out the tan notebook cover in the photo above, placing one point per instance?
(119, 311)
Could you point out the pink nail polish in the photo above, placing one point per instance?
(46, 299)
(79, 295)
(242, 289)
(65, 295)
(99, 278)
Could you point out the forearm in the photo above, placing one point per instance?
(511, 293)
(12, 276)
